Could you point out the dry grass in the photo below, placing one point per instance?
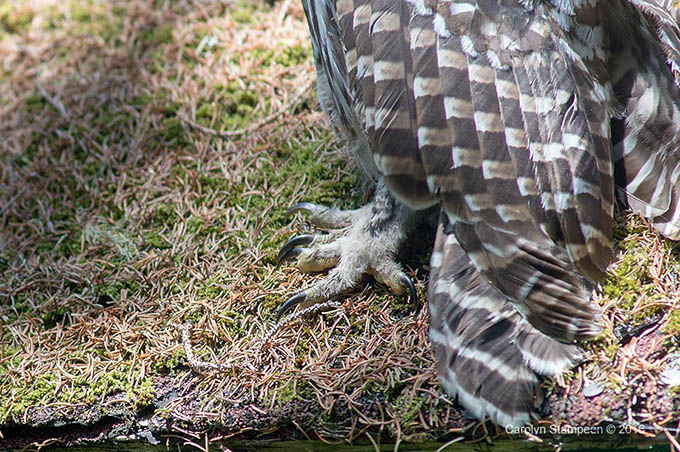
(129, 206)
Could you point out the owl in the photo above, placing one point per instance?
(521, 122)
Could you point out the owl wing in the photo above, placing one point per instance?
(510, 114)
(486, 107)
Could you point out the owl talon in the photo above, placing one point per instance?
(291, 253)
(357, 242)
(290, 249)
(413, 295)
(290, 304)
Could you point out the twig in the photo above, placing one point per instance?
(12, 200)
(672, 440)
(284, 10)
(312, 309)
(197, 365)
(460, 438)
(52, 100)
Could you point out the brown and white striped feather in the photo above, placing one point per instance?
(501, 112)
(487, 354)
(647, 135)
(458, 143)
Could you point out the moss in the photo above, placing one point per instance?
(262, 56)
(195, 225)
(169, 363)
(166, 214)
(293, 55)
(38, 393)
(116, 381)
(154, 239)
(672, 326)
(15, 19)
(204, 112)
(231, 322)
(157, 35)
(144, 393)
(209, 289)
(231, 105)
(107, 292)
(408, 407)
(631, 284)
(91, 18)
(53, 317)
(294, 389)
(81, 11)
(35, 102)
(173, 132)
(212, 183)
(243, 15)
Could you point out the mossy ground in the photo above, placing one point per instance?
(127, 207)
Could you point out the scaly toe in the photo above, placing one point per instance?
(325, 217)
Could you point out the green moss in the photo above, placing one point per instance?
(195, 225)
(92, 19)
(15, 19)
(293, 55)
(204, 112)
(243, 15)
(232, 104)
(294, 389)
(212, 183)
(154, 239)
(631, 284)
(407, 406)
(38, 393)
(209, 289)
(231, 322)
(53, 317)
(166, 214)
(673, 323)
(169, 363)
(112, 290)
(81, 11)
(35, 102)
(172, 131)
(263, 56)
(157, 35)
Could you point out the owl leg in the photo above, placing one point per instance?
(359, 242)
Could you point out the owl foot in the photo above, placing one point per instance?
(358, 242)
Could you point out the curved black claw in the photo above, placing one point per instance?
(308, 206)
(290, 254)
(290, 304)
(411, 288)
(289, 249)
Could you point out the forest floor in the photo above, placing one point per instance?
(148, 154)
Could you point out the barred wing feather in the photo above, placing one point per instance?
(521, 118)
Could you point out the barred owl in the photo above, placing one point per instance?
(522, 120)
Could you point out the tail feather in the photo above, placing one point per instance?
(488, 355)
(646, 139)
